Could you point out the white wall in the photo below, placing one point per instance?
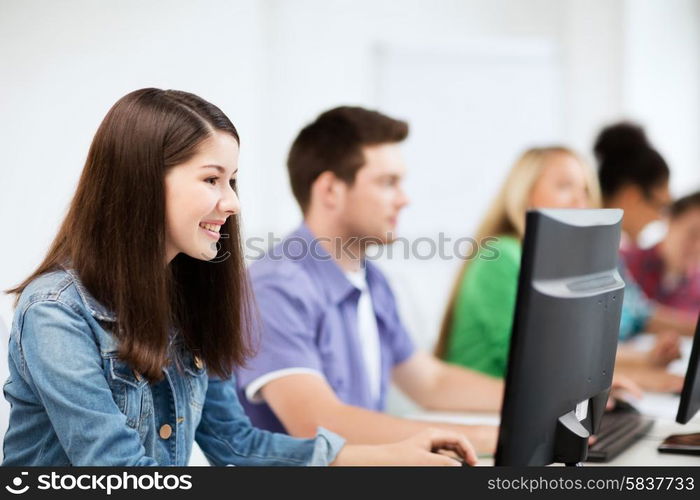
(661, 78)
(592, 41)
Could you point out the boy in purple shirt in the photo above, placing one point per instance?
(332, 339)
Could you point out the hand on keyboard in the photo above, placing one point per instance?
(666, 349)
(622, 384)
(619, 429)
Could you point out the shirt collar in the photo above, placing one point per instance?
(358, 278)
(333, 279)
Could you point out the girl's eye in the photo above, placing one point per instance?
(211, 180)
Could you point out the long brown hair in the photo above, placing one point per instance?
(506, 215)
(113, 237)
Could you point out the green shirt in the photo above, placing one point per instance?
(483, 312)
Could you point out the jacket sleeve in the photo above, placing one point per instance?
(227, 437)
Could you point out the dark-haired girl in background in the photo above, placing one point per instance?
(124, 337)
(635, 177)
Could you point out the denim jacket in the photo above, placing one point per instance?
(74, 402)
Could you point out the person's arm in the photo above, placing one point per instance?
(666, 318)
(304, 402)
(425, 448)
(62, 363)
(651, 378)
(666, 348)
(648, 368)
(226, 436)
(436, 385)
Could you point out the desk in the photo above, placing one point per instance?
(661, 407)
(644, 452)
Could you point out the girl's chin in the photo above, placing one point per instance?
(207, 254)
(203, 252)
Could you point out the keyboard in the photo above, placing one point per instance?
(619, 429)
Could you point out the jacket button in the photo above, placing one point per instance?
(166, 431)
(198, 363)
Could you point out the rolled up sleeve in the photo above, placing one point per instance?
(284, 332)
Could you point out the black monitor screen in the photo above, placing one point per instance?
(690, 395)
(564, 336)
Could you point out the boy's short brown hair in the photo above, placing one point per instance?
(682, 205)
(334, 142)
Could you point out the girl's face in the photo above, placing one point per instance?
(199, 197)
(562, 184)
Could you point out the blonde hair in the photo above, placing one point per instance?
(506, 215)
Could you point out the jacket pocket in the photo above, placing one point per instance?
(196, 377)
(131, 393)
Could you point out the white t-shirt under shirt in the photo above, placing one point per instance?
(368, 334)
(367, 331)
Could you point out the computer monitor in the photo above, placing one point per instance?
(689, 404)
(564, 337)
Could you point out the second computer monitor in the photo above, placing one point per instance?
(688, 406)
(564, 336)
(690, 395)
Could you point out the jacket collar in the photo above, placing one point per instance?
(97, 310)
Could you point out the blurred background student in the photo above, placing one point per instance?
(669, 272)
(477, 323)
(635, 177)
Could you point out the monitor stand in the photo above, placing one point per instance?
(571, 439)
(571, 444)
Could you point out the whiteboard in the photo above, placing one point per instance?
(472, 108)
